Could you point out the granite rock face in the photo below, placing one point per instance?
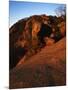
(29, 35)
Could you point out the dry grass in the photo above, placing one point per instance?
(46, 68)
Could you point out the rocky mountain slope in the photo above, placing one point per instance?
(37, 52)
(29, 35)
(46, 68)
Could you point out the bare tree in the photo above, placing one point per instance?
(61, 11)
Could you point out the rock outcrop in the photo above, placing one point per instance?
(29, 35)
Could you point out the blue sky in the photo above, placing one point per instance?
(20, 9)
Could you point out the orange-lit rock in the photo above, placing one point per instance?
(24, 36)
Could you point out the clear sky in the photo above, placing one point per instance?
(21, 9)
